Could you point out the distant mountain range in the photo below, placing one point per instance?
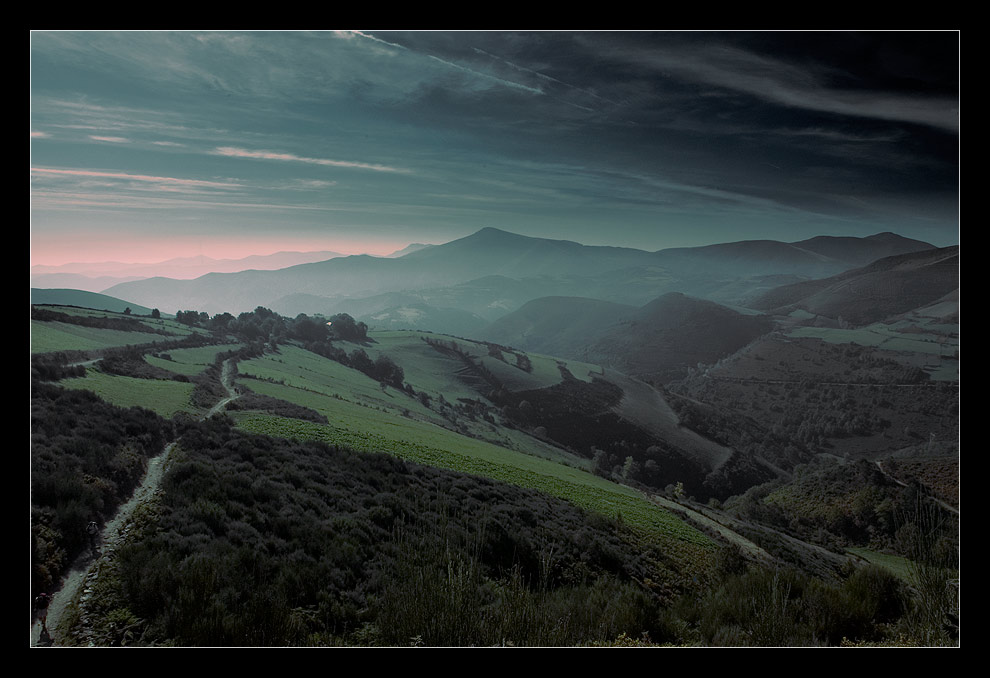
(414, 247)
(493, 272)
(96, 277)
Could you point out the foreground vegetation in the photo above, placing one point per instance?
(87, 456)
(357, 495)
(262, 541)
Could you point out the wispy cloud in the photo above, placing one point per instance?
(175, 181)
(40, 135)
(784, 83)
(112, 140)
(447, 63)
(232, 152)
(487, 76)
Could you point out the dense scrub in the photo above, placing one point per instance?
(55, 367)
(843, 399)
(87, 456)
(267, 542)
(847, 506)
(784, 607)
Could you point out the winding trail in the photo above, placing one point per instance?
(86, 568)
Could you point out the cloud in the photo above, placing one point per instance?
(175, 181)
(40, 135)
(787, 84)
(486, 76)
(232, 152)
(113, 140)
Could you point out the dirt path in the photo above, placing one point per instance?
(86, 568)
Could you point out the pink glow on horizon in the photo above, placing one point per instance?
(66, 250)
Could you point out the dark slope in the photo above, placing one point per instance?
(872, 293)
(672, 333)
(657, 342)
(862, 251)
(814, 258)
(562, 326)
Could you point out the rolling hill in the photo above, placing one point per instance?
(489, 450)
(657, 341)
(84, 299)
(884, 288)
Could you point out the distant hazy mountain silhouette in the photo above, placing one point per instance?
(543, 266)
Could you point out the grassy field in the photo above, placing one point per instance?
(189, 361)
(364, 417)
(164, 397)
(328, 387)
(47, 337)
(902, 567)
(444, 449)
(408, 349)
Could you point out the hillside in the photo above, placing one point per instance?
(875, 292)
(84, 299)
(514, 486)
(813, 258)
(561, 326)
(656, 342)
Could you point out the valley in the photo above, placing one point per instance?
(649, 437)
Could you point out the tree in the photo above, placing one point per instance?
(601, 464)
(347, 329)
(631, 469)
(156, 314)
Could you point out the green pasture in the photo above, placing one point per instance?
(363, 417)
(423, 363)
(904, 568)
(162, 396)
(306, 379)
(189, 361)
(430, 445)
(47, 337)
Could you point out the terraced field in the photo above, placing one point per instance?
(162, 396)
(344, 394)
(47, 337)
(189, 361)
(365, 417)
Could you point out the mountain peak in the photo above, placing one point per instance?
(492, 232)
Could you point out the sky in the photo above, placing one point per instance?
(152, 145)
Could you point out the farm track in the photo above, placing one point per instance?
(78, 582)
